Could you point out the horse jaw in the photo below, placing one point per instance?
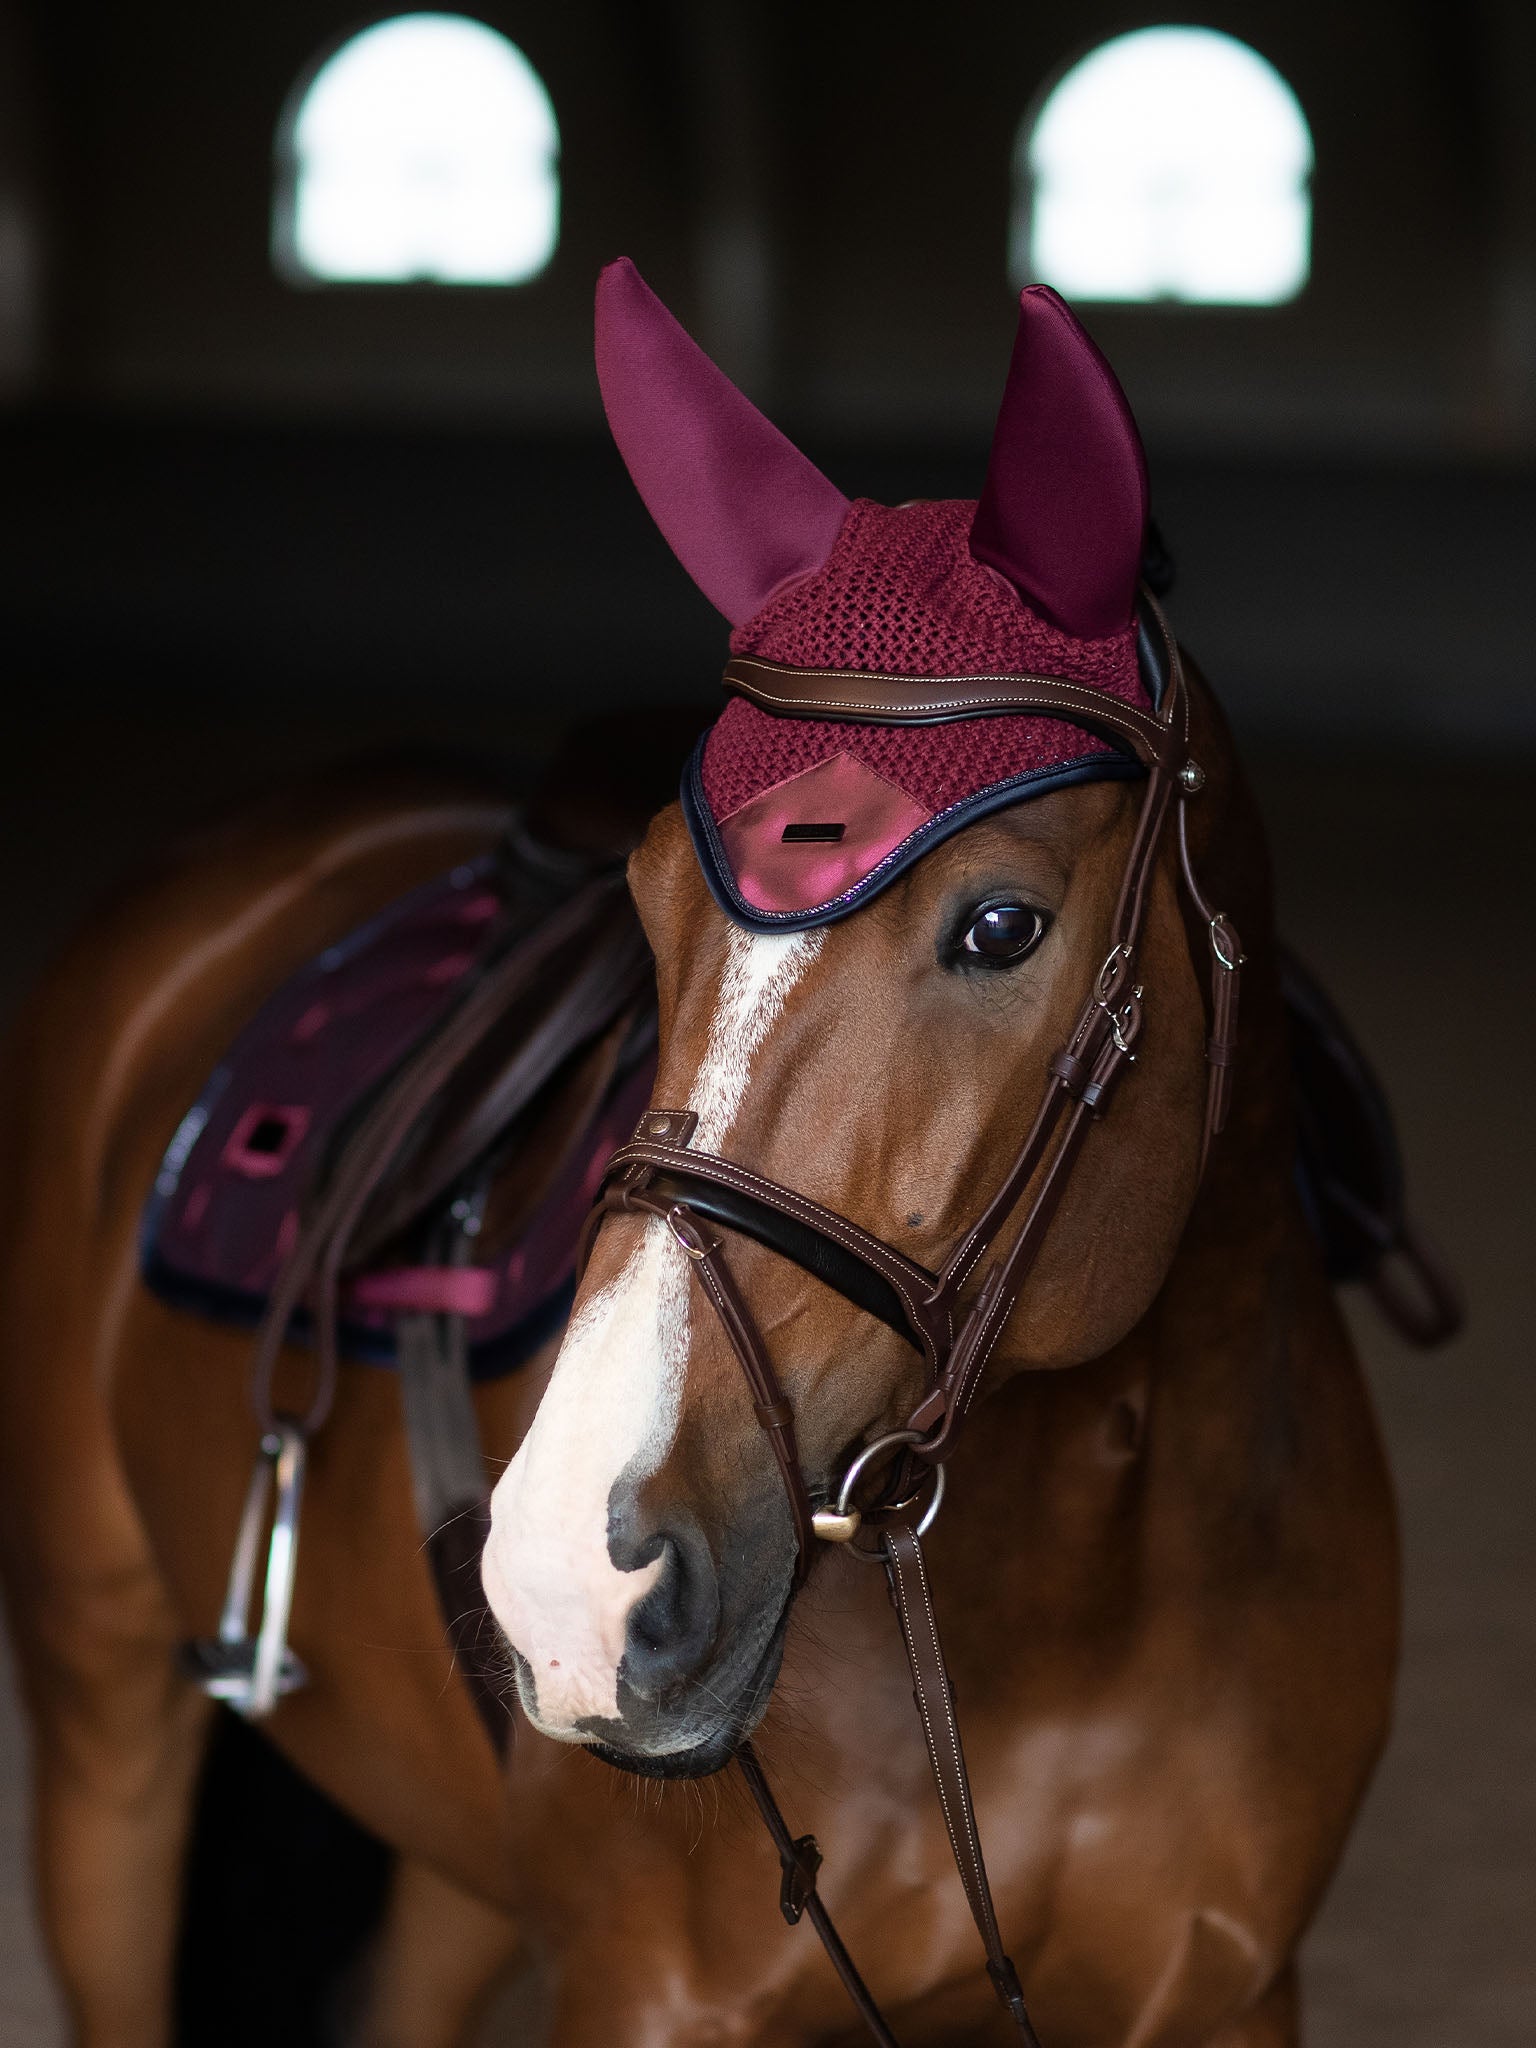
(610, 1413)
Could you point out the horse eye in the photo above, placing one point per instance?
(1003, 933)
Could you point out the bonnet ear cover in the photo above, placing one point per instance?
(1063, 514)
(739, 505)
(797, 820)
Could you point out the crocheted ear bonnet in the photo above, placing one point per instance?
(798, 818)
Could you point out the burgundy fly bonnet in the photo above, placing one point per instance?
(873, 646)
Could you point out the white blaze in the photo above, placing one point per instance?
(613, 1399)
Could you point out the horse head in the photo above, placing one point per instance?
(871, 940)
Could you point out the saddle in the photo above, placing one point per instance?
(339, 1182)
(539, 941)
(1349, 1170)
(557, 1081)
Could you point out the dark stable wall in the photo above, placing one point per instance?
(219, 483)
(195, 568)
(835, 178)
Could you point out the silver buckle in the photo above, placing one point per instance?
(252, 1673)
(1117, 963)
(1124, 1016)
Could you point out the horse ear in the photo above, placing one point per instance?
(739, 505)
(1064, 511)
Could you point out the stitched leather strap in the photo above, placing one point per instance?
(864, 1284)
(868, 699)
(936, 1708)
(770, 1405)
(1226, 977)
(912, 1285)
(774, 1415)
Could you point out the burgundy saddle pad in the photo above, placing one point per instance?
(226, 1201)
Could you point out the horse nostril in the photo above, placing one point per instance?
(672, 1631)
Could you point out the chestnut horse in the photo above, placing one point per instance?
(1165, 1566)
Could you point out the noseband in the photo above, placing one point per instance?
(659, 1173)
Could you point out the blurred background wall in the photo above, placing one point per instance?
(385, 483)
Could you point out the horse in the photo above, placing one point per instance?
(1164, 1563)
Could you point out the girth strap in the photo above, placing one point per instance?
(453, 1511)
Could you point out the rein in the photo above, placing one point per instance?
(659, 1174)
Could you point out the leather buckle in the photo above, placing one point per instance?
(799, 1882)
(666, 1127)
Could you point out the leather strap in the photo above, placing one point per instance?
(482, 1100)
(935, 1699)
(1226, 978)
(910, 1285)
(775, 1416)
(800, 1860)
(314, 1265)
(442, 1435)
(871, 699)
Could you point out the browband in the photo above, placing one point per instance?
(859, 698)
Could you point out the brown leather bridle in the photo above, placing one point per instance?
(659, 1173)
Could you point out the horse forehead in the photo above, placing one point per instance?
(721, 1014)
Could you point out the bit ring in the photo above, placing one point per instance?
(846, 1512)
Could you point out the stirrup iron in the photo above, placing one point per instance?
(252, 1672)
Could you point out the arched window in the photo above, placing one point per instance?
(1172, 163)
(424, 149)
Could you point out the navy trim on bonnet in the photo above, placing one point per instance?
(1000, 796)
